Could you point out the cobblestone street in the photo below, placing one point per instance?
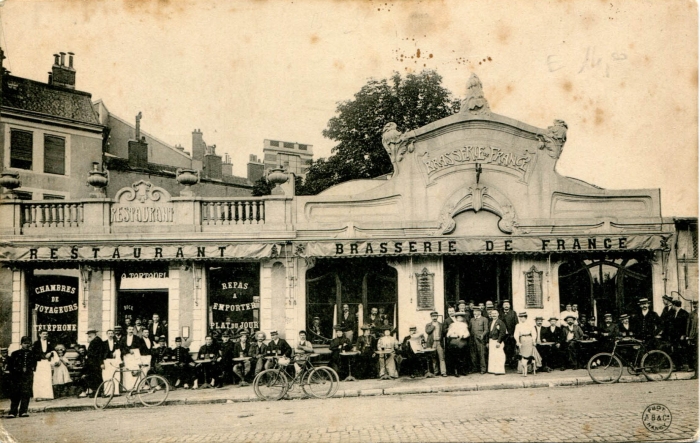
(586, 413)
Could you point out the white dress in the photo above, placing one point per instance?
(43, 380)
(497, 356)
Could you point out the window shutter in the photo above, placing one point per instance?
(54, 155)
(21, 149)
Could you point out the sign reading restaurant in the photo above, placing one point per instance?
(427, 246)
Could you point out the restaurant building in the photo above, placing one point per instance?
(474, 210)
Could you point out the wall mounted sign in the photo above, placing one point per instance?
(53, 300)
(142, 203)
(425, 297)
(234, 291)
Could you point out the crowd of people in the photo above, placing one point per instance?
(471, 339)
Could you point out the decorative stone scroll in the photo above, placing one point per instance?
(425, 285)
(553, 141)
(142, 203)
(533, 289)
(396, 144)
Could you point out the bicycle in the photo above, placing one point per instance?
(152, 390)
(315, 381)
(606, 367)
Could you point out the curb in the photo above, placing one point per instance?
(397, 390)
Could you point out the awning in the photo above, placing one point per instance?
(335, 248)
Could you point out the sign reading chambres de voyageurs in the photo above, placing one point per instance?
(53, 301)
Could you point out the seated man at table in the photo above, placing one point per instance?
(410, 361)
(302, 351)
(159, 354)
(207, 370)
(544, 350)
(366, 360)
(624, 329)
(340, 343)
(259, 352)
(182, 369)
(316, 333)
(277, 346)
(227, 355)
(570, 335)
(241, 350)
(608, 334)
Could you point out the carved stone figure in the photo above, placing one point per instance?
(396, 144)
(475, 103)
(553, 141)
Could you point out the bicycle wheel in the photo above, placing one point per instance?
(104, 394)
(153, 390)
(271, 384)
(657, 365)
(604, 368)
(336, 379)
(320, 383)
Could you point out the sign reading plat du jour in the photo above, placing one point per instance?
(142, 203)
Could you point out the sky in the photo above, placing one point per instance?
(623, 75)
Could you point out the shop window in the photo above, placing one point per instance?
(54, 155)
(53, 305)
(362, 284)
(21, 143)
(533, 289)
(234, 298)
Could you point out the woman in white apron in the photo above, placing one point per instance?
(43, 379)
(146, 351)
(497, 356)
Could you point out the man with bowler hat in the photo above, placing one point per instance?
(434, 333)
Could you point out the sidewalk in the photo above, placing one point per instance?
(403, 385)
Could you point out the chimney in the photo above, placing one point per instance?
(62, 75)
(199, 148)
(50, 77)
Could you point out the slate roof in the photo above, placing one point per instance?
(32, 96)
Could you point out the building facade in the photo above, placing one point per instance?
(474, 210)
(293, 157)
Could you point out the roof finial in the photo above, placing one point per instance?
(475, 103)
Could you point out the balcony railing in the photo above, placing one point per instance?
(42, 214)
(233, 212)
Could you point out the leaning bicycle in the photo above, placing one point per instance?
(315, 381)
(606, 367)
(151, 390)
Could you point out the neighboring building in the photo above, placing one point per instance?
(294, 157)
(49, 133)
(686, 248)
(474, 210)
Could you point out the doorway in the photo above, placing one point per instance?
(141, 304)
(477, 278)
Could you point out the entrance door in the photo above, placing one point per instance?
(141, 305)
(478, 278)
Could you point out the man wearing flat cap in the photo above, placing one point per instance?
(434, 333)
(183, 369)
(243, 349)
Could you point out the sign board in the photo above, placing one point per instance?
(53, 301)
(425, 282)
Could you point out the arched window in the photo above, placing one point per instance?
(605, 285)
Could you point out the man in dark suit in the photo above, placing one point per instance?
(94, 362)
(157, 328)
(608, 334)
(479, 329)
(544, 350)
(21, 365)
(340, 343)
(434, 337)
(570, 335)
(129, 342)
(366, 345)
(679, 326)
(208, 371)
(43, 347)
(624, 330)
(645, 324)
(227, 355)
(510, 318)
(348, 322)
(240, 350)
(182, 371)
(259, 352)
(552, 334)
(109, 346)
(664, 330)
